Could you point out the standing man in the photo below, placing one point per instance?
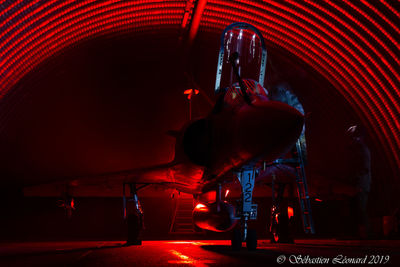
(362, 172)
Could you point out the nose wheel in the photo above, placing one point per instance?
(237, 239)
(245, 211)
(251, 241)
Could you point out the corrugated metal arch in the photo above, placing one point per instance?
(354, 45)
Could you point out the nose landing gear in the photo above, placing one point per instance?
(246, 211)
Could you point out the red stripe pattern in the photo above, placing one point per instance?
(355, 45)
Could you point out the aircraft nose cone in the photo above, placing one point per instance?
(268, 129)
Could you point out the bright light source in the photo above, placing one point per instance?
(201, 207)
(226, 192)
(290, 212)
(191, 92)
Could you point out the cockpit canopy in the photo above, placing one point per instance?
(246, 42)
(256, 92)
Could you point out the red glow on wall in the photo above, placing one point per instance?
(357, 52)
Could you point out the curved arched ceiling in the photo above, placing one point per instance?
(353, 44)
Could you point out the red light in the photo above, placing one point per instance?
(201, 207)
(198, 206)
(191, 92)
(290, 212)
(226, 192)
(319, 200)
(181, 242)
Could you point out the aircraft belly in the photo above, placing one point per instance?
(264, 131)
(188, 177)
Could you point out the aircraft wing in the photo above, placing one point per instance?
(108, 184)
(154, 174)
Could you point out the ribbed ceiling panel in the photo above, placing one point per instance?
(32, 31)
(353, 44)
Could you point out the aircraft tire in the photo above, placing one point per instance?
(134, 229)
(280, 231)
(236, 241)
(251, 241)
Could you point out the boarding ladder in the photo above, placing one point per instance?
(298, 162)
(182, 221)
(302, 190)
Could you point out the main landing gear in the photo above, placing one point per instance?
(246, 211)
(280, 219)
(67, 202)
(133, 215)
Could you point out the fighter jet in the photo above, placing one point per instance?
(243, 129)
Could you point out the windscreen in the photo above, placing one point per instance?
(245, 40)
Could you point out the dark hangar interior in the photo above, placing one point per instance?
(89, 88)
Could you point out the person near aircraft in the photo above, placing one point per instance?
(361, 167)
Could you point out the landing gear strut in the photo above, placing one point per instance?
(67, 202)
(245, 212)
(279, 226)
(133, 214)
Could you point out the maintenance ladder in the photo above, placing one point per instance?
(182, 221)
(302, 190)
(297, 160)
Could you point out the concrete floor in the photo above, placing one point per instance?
(196, 253)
